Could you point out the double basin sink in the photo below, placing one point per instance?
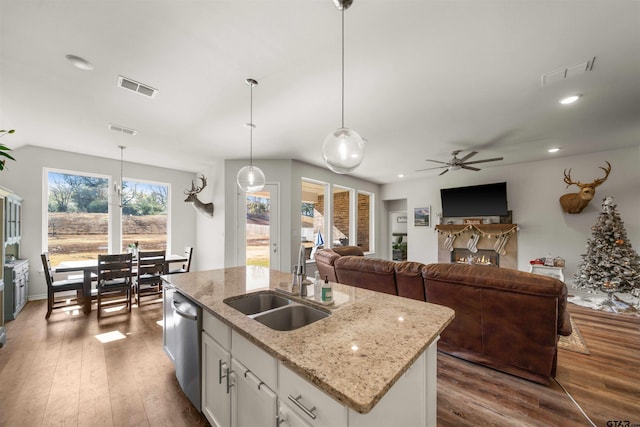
(276, 311)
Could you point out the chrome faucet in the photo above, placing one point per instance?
(299, 275)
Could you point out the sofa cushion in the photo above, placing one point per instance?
(349, 250)
(504, 279)
(325, 259)
(368, 273)
(409, 280)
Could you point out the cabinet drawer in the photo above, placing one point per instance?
(217, 329)
(328, 412)
(258, 361)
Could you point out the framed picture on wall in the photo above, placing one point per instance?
(422, 217)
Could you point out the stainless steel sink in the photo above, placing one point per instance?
(290, 317)
(257, 302)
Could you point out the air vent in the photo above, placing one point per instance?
(132, 85)
(122, 129)
(566, 72)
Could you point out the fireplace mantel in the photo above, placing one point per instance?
(488, 236)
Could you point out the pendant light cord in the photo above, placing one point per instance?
(251, 126)
(343, 66)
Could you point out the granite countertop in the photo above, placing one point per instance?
(355, 355)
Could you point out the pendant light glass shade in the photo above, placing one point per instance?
(250, 178)
(343, 150)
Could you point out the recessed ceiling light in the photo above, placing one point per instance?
(79, 62)
(569, 99)
(400, 175)
(553, 150)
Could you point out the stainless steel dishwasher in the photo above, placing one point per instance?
(187, 317)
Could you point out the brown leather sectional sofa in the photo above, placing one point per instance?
(506, 319)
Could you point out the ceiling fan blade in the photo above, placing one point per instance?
(470, 168)
(485, 160)
(468, 156)
(437, 161)
(435, 167)
(443, 172)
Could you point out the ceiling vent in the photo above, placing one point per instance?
(566, 72)
(142, 89)
(122, 129)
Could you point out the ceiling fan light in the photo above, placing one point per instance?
(250, 178)
(343, 150)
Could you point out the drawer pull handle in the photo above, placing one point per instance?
(309, 412)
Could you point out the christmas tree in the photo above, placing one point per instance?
(610, 263)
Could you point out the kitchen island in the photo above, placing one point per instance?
(355, 355)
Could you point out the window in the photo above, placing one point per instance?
(341, 217)
(77, 216)
(80, 211)
(350, 223)
(144, 215)
(365, 220)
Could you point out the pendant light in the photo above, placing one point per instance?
(343, 149)
(118, 187)
(250, 178)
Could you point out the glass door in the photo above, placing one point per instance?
(259, 215)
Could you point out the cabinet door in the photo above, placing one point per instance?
(216, 384)
(288, 418)
(310, 403)
(252, 403)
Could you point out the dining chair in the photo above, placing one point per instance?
(58, 286)
(151, 265)
(186, 266)
(115, 280)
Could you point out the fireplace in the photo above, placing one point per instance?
(481, 257)
(497, 243)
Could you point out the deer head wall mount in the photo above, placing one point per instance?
(574, 203)
(192, 197)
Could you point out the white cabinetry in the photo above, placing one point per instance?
(216, 383)
(244, 386)
(255, 374)
(410, 402)
(238, 379)
(309, 402)
(253, 403)
(216, 371)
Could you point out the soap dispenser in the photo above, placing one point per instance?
(327, 295)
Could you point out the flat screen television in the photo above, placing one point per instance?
(476, 200)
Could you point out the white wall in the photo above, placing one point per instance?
(25, 178)
(210, 233)
(533, 190)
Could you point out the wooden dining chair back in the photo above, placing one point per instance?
(115, 280)
(186, 266)
(59, 286)
(151, 265)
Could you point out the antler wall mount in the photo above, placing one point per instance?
(574, 203)
(192, 197)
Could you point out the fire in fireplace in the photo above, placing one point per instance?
(481, 257)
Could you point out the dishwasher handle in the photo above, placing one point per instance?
(181, 313)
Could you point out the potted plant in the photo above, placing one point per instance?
(4, 149)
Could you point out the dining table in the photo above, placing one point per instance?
(89, 269)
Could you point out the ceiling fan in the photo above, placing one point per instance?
(455, 163)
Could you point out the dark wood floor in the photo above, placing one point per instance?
(57, 372)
